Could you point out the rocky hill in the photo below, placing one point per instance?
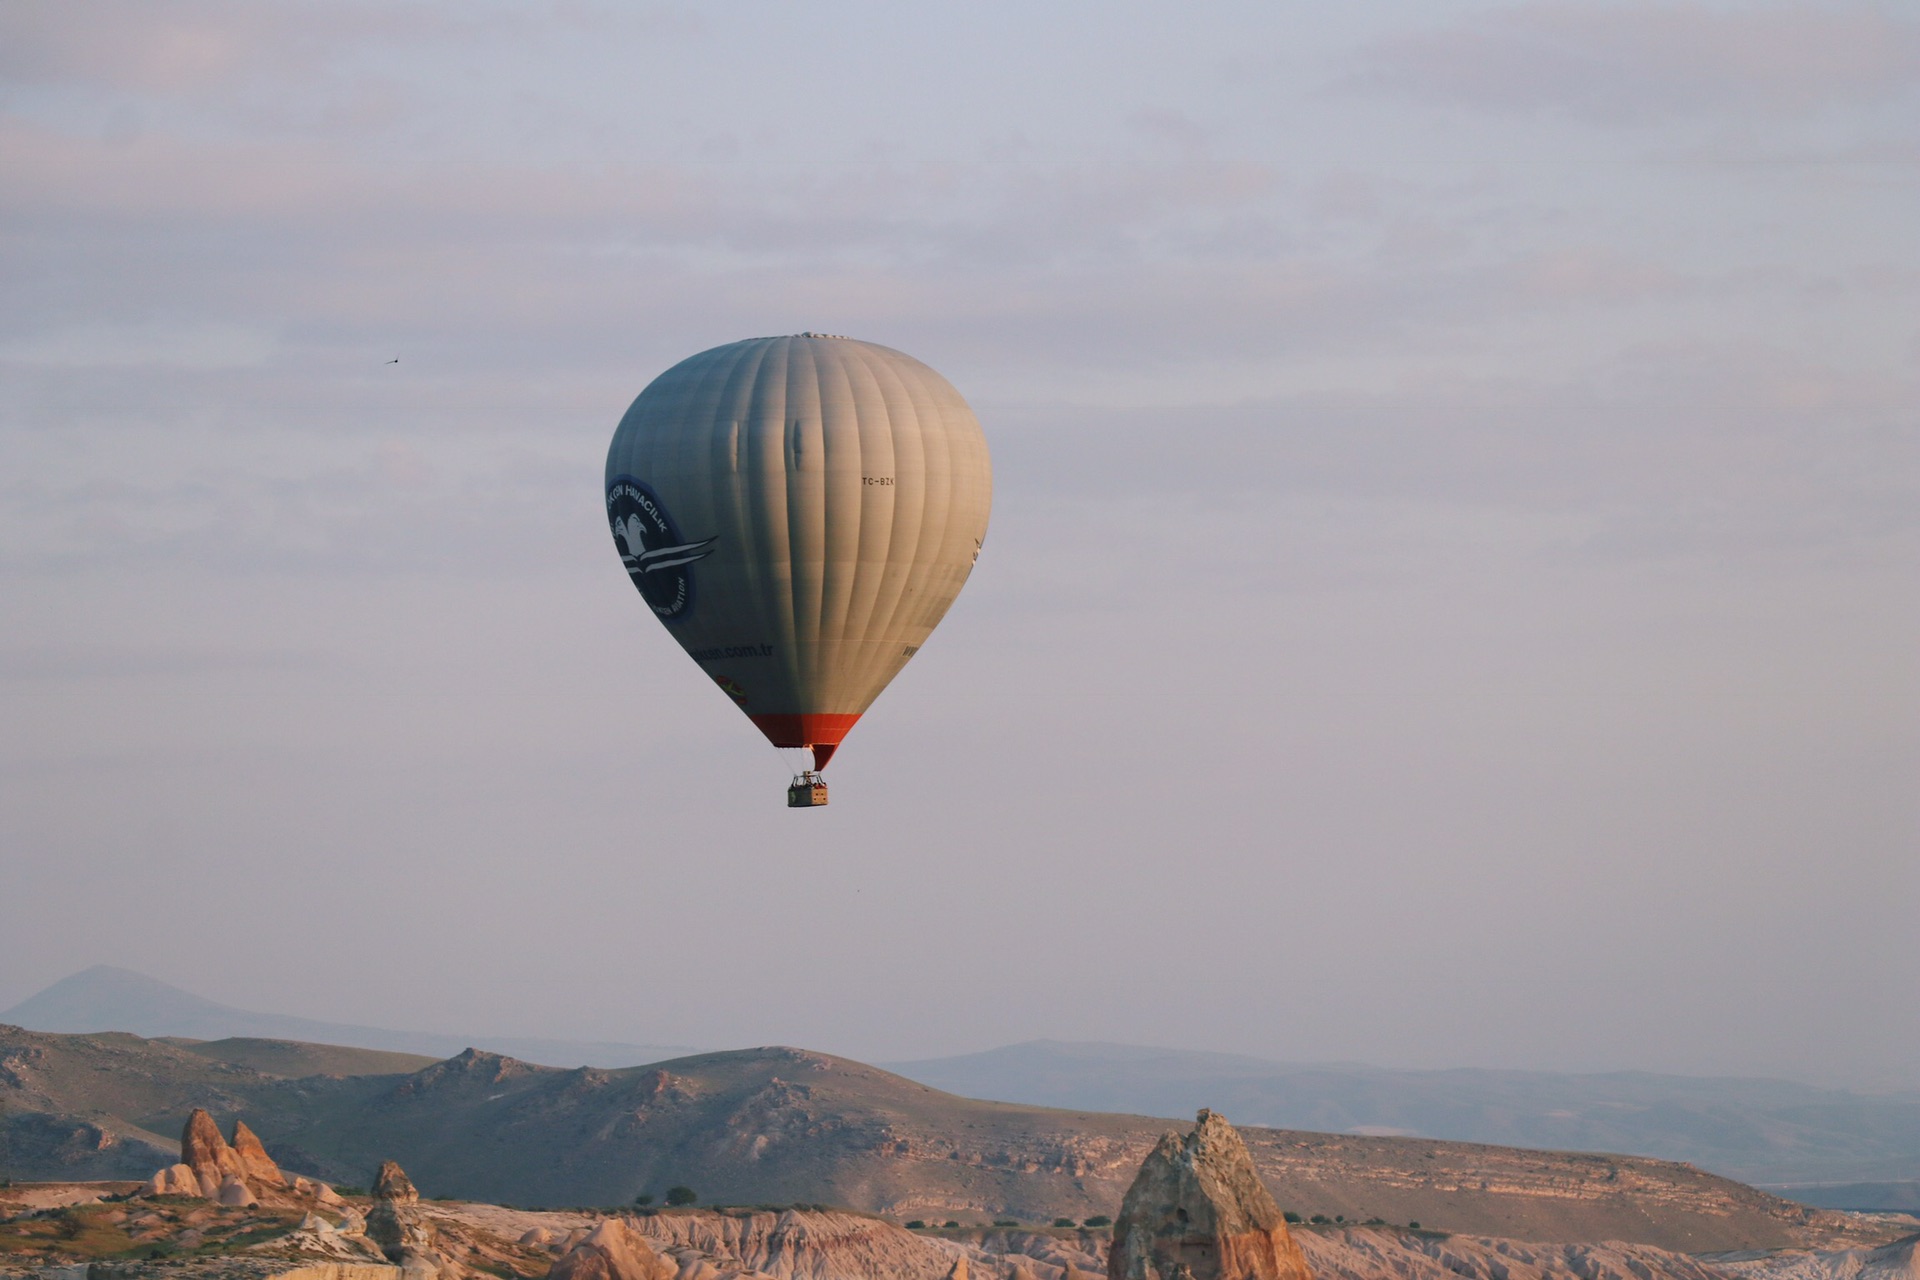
(295, 1059)
(786, 1126)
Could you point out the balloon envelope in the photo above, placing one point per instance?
(799, 512)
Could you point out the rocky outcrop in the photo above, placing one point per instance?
(392, 1184)
(203, 1150)
(321, 1236)
(174, 1180)
(232, 1174)
(1897, 1261)
(234, 1193)
(811, 1244)
(1365, 1253)
(256, 1166)
(1197, 1210)
(317, 1191)
(399, 1227)
(612, 1251)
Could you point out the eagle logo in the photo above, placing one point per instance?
(651, 547)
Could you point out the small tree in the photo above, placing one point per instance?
(1063, 1222)
(1102, 1220)
(643, 1199)
(916, 1225)
(679, 1197)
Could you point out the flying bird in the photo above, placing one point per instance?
(395, 360)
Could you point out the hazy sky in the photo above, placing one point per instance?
(1451, 600)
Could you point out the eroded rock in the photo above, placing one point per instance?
(398, 1226)
(1197, 1210)
(612, 1251)
(317, 1191)
(255, 1164)
(392, 1183)
(235, 1193)
(174, 1180)
(204, 1151)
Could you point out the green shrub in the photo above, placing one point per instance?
(1413, 1226)
(950, 1223)
(1319, 1217)
(1291, 1216)
(1006, 1222)
(1063, 1222)
(916, 1225)
(643, 1200)
(1102, 1220)
(680, 1196)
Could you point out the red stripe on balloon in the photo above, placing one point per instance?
(819, 731)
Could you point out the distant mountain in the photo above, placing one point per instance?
(1860, 1197)
(779, 1125)
(1767, 1131)
(105, 998)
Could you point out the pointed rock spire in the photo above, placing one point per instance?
(1198, 1211)
(254, 1160)
(392, 1183)
(203, 1150)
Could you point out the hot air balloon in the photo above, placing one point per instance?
(799, 512)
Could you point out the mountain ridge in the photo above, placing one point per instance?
(109, 998)
(1756, 1129)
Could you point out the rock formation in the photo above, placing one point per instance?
(235, 1193)
(395, 1223)
(204, 1151)
(174, 1180)
(815, 1245)
(393, 1184)
(316, 1191)
(235, 1174)
(612, 1251)
(255, 1164)
(1198, 1211)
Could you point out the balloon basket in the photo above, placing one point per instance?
(809, 791)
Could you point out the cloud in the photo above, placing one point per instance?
(200, 46)
(1637, 62)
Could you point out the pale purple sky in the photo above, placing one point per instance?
(1451, 599)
